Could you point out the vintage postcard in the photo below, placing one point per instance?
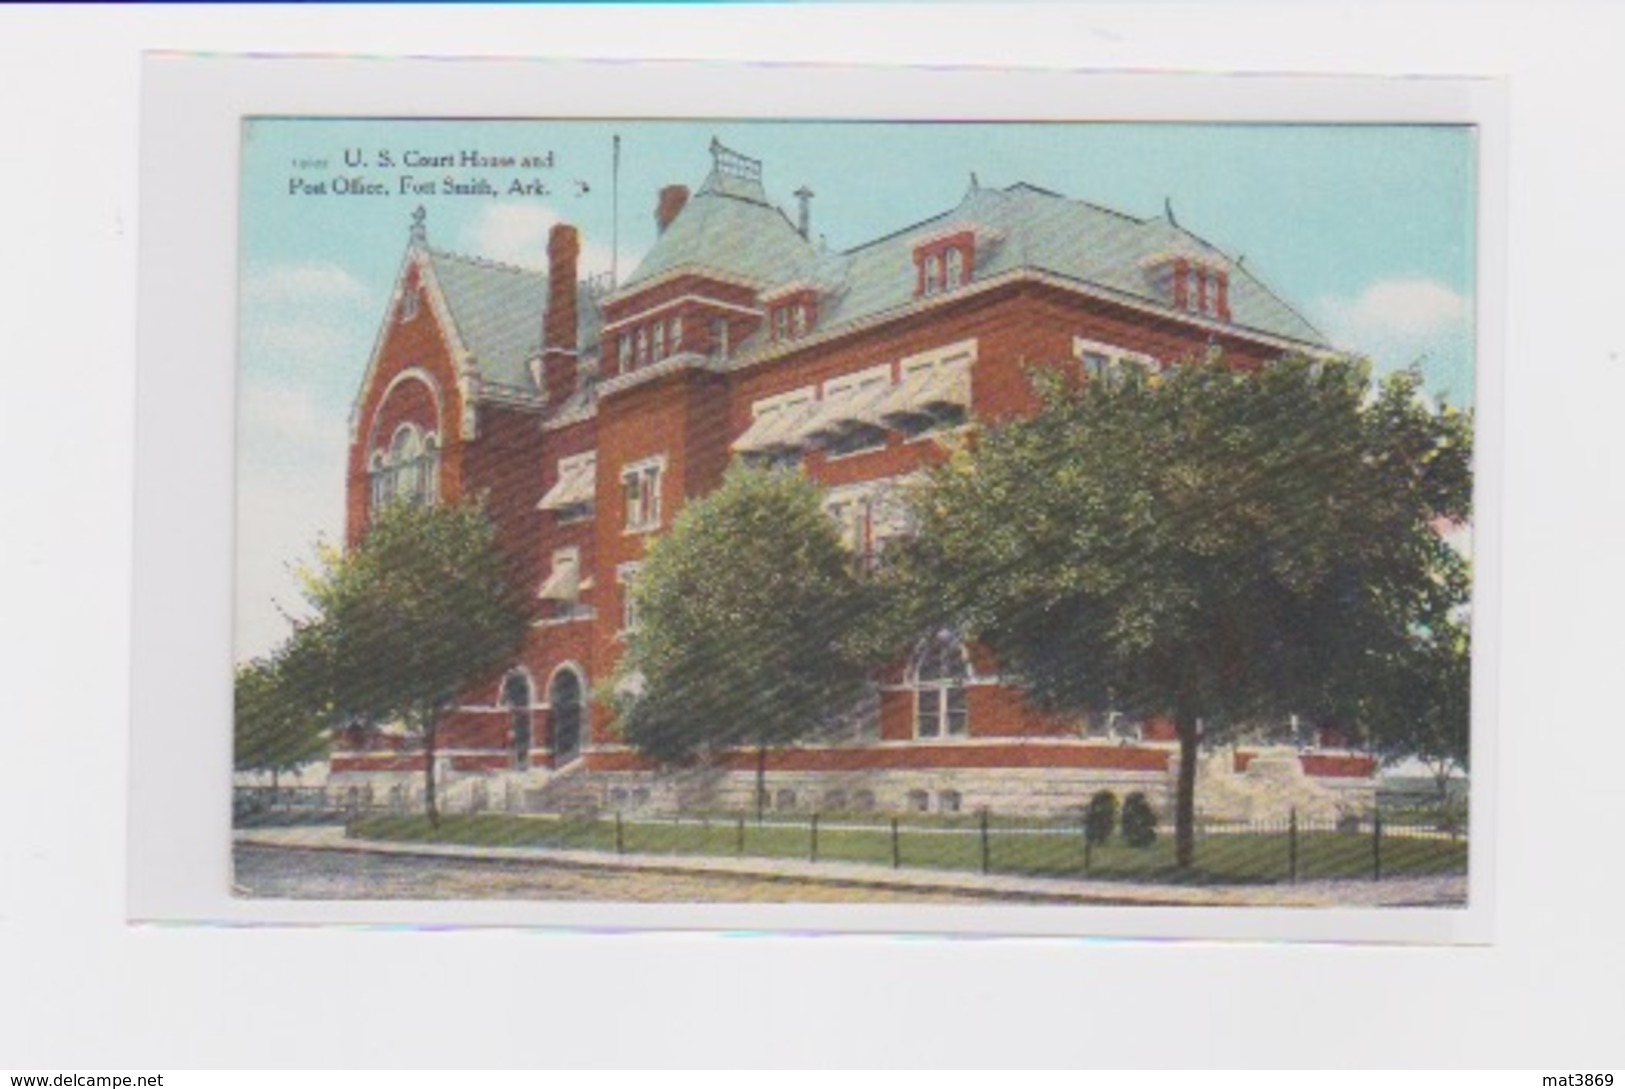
(782, 511)
(838, 517)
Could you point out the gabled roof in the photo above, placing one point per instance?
(498, 311)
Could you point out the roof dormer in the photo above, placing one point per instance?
(791, 310)
(1196, 283)
(945, 260)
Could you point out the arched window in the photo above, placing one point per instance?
(383, 484)
(565, 699)
(409, 471)
(431, 471)
(940, 673)
(516, 698)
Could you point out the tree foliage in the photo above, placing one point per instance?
(1212, 543)
(419, 610)
(749, 619)
(277, 727)
(1427, 715)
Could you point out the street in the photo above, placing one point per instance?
(282, 873)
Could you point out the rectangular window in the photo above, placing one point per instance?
(957, 718)
(928, 712)
(641, 486)
(626, 574)
(1101, 362)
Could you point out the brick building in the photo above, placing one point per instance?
(589, 412)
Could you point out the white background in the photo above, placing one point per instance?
(82, 989)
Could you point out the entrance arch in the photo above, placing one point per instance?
(516, 697)
(565, 699)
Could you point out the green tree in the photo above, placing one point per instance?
(276, 727)
(749, 622)
(1216, 544)
(1427, 713)
(418, 611)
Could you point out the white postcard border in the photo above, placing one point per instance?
(179, 846)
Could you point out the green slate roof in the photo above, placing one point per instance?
(1035, 229)
(498, 311)
(729, 226)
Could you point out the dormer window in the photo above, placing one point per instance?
(660, 341)
(791, 312)
(945, 262)
(1192, 284)
(625, 349)
(643, 347)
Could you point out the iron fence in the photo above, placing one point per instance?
(1369, 847)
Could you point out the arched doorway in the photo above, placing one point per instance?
(516, 698)
(564, 697)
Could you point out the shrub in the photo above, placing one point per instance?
(1139, 821)
(1100, 819)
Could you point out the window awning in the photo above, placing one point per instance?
(852, 408)
(782, 427)
(944, 386)
(576, 486)
(564, 584)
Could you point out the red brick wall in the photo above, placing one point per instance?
(416, 344)
(690, 418)
(695, 314)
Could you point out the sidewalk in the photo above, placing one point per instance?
(1444, 891)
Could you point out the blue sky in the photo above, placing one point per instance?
(1366, 230)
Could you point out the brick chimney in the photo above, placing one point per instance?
(559, 349)
(673, 198)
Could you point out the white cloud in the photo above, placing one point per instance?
(517, 234)
(302, 284)
(290, 455)
(1401, 322)
(308, 326)
(279, 523)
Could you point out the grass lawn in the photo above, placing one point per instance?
(953, 844)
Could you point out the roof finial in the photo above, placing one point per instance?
(420, 233)
(975, 183)
(1168, 210)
